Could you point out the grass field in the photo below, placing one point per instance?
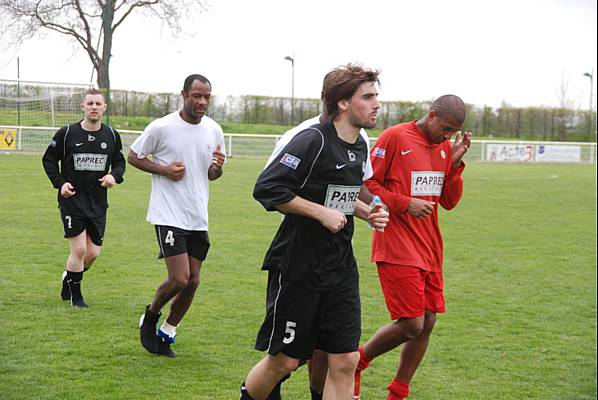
(520, 272)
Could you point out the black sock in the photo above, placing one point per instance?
(74, 281)
(244, 394)
(314, 394)
(275, 393)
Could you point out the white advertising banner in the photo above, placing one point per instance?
(510, 152)
(558, 153)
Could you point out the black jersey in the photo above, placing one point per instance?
(84, 158)
(318, 166)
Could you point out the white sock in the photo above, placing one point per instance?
(168, 329)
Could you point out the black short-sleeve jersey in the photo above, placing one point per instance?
(318, 166)
(81, 157)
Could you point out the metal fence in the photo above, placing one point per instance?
(29, 139)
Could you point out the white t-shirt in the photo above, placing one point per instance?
(182, 204)
(290, 134)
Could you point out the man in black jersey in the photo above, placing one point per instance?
(313, 293)
(83, 160)
(318, 363)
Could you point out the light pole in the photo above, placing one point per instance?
(591, 76)
(292, 60)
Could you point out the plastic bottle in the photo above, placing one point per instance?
(375, 201)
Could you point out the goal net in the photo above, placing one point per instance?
(26, 103)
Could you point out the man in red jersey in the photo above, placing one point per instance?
(415, 168)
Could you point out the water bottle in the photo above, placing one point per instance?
(375, 201)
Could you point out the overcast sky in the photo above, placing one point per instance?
(522, 52)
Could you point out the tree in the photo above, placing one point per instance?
(90, 23)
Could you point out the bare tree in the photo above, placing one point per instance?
(564, 114)
(563, 93)
(90, 23)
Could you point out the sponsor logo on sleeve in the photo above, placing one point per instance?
(426, 183)
(378, 152)
(90, 162)
(342, 198)
(290, 161)
(52, 143)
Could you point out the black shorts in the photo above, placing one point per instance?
(299, 321)
(174, 241)
(75, 224)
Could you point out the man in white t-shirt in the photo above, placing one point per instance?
(187, 151)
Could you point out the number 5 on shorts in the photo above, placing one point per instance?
(289, 330)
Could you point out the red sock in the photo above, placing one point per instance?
(364, 361)
(397, 390)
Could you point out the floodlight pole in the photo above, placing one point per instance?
(591, 76)
(292, 60)
(18, 92)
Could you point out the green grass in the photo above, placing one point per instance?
(520, 272)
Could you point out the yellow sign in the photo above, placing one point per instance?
(8, 139)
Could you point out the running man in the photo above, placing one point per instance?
(313, 292)
(318, 363)
(415, 168)
(84, 160)
(187, 151)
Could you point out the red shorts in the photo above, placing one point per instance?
(410, 291)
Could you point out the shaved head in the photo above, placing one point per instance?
(451, 106)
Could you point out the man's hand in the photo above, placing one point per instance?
(332, 219)
(67, 190)
(175, 171)
(378, 217)
(215, 170)
(460, 147)
(420, 208)
(218, 158)
(107, 181)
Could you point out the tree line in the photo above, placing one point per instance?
(529, 123)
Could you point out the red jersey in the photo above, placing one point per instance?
(407, 165)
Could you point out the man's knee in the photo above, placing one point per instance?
(193, 282)
(178, 281)
(411, 327)
(429, 322)
(343, 364)
(286, 365)
(78, 251)
(90, 258)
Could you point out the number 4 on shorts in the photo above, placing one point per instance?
(169, 239)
